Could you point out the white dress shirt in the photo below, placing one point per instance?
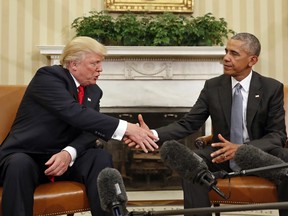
(245, 83)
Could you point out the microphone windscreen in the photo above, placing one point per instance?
(182, 159)
(250, 157)
(111, 189)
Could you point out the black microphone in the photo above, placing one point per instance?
(188, 165)
(112, 193)
(253, 160)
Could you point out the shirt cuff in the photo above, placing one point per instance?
(120, 130)
(73, 153)
(155, 134)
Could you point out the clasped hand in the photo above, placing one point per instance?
(226, 150)
(140, 136)
(58, 164)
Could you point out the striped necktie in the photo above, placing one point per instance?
(236, 129)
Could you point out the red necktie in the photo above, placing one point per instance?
(80, 94)
(51, 178)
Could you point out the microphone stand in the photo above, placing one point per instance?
(232, 208)
(224, 174)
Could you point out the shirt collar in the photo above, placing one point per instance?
(245, 83)
(75, 81)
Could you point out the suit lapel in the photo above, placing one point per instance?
(254, 98)
(87, 101)
(91, 97)
(71, 85)
(225, 97)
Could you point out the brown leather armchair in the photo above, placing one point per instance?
(245, 189)
(59, 198)
(52, 198)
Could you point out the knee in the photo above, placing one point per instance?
(105, 159)
(20, 163)
(102, 158)
(281, 153)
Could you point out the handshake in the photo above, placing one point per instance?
(140, 136)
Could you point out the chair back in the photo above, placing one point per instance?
(10, 98)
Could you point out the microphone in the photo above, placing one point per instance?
(260, 162)
(188, 165)
(112, 193)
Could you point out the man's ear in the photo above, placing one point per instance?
(253, 60)
(72, 65)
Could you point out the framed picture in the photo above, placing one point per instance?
(177, 6)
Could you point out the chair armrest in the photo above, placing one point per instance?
(203, 141)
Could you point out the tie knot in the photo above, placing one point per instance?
(238, 86)
(80, 88)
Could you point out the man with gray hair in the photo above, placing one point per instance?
(259, 110)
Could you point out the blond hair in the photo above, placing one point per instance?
(76, 49)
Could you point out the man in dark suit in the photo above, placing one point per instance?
(263, 121)
(54, 136)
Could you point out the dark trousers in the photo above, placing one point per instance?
(21, 173)
(196, 196)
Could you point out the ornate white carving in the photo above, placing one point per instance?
(148, 69)
(153, 62)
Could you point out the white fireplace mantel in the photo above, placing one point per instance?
(149, 74)
(192, 51)
(140, 62)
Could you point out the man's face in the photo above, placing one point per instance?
(87, 71)
(237, 61)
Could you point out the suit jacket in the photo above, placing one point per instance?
(50, 118)
(265, 112)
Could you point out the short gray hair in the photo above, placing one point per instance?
(252, 44)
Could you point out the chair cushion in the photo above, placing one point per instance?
(244, 190)
(59, 198)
